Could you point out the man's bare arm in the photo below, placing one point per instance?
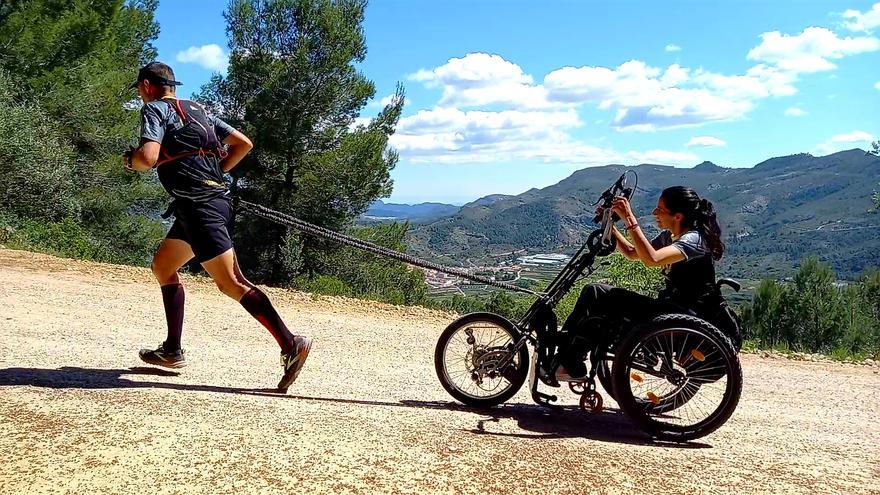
(239, 146)
(145, 157)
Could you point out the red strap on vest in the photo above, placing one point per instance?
(201, 152)
(220, 152)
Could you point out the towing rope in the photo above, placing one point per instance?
(316, 230)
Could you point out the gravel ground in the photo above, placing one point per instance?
(79, 414)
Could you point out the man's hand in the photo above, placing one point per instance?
(126, 159)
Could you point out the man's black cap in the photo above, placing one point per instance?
(156, 73)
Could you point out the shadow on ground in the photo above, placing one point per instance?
(543, 422)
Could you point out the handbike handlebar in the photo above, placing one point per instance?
(607, 198)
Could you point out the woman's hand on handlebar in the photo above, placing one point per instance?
(621, 206)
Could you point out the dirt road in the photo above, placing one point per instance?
(79, 414)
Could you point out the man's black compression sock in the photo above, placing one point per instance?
(173, 297)
(258, 305)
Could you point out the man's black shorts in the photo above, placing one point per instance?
(204, 225)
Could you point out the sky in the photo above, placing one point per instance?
(504, 96)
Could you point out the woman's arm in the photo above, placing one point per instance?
(623, 245)
(643, 248)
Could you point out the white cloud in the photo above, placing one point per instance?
(705, 141)
(864, 22)
(455, 136)
(877, 85)
(852, 137)
(211, 57)
(381, 103)
(479, 79)
(842, 142)
(809, 51)
(672, 48)
(758, 82)
(795, 112)
(449, 135)
(663, 157)
(644, 97)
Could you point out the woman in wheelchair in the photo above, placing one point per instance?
(687, 247)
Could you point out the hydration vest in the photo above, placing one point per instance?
(196, 137)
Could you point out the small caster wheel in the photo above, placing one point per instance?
(591, 402)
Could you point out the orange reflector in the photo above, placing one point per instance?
(653, 398)
(636, 377)
(699, 356)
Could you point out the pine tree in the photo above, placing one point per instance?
(294, 88)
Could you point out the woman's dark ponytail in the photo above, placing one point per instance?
(699, 213)
(707, 224)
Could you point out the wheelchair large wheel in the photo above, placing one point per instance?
(673, 398)
(677, 377)
(476, 362)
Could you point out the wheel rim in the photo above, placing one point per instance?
(472, 368)
(679, 378)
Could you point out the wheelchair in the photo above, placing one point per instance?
(677, 376)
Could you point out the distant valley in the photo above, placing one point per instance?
(773, 214)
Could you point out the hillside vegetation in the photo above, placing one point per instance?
(773, 214)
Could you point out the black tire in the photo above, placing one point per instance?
(515, 374)
(603, 373)
(716, 361)
(666, 403)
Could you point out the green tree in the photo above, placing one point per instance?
(763, 318)
(354, 272)
(876, 152)
(860, 332)
(817, 310)
(869, 290)
(294, 87)
(36, 162)
(619, 272)
(69, 64)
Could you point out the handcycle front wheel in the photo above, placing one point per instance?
(476, 360)
(677, 377)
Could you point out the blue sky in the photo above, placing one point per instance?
(503, 96)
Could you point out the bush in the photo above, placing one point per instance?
(37, 164)
(344, 270)
(814, 314)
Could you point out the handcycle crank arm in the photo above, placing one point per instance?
(649, 371)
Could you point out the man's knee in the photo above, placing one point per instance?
(232, 288)
(163, 274)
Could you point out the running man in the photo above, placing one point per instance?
(185, 144)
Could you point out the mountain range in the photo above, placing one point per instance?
(422, 212)
(772, 214)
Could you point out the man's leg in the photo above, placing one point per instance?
(224, 270)
(172, 254)
(229, 279)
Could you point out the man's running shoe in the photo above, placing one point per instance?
(164, 358)
(293, 361)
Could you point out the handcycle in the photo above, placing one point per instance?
(677, 375)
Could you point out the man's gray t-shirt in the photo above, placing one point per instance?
(157, 116)
(186, 169)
